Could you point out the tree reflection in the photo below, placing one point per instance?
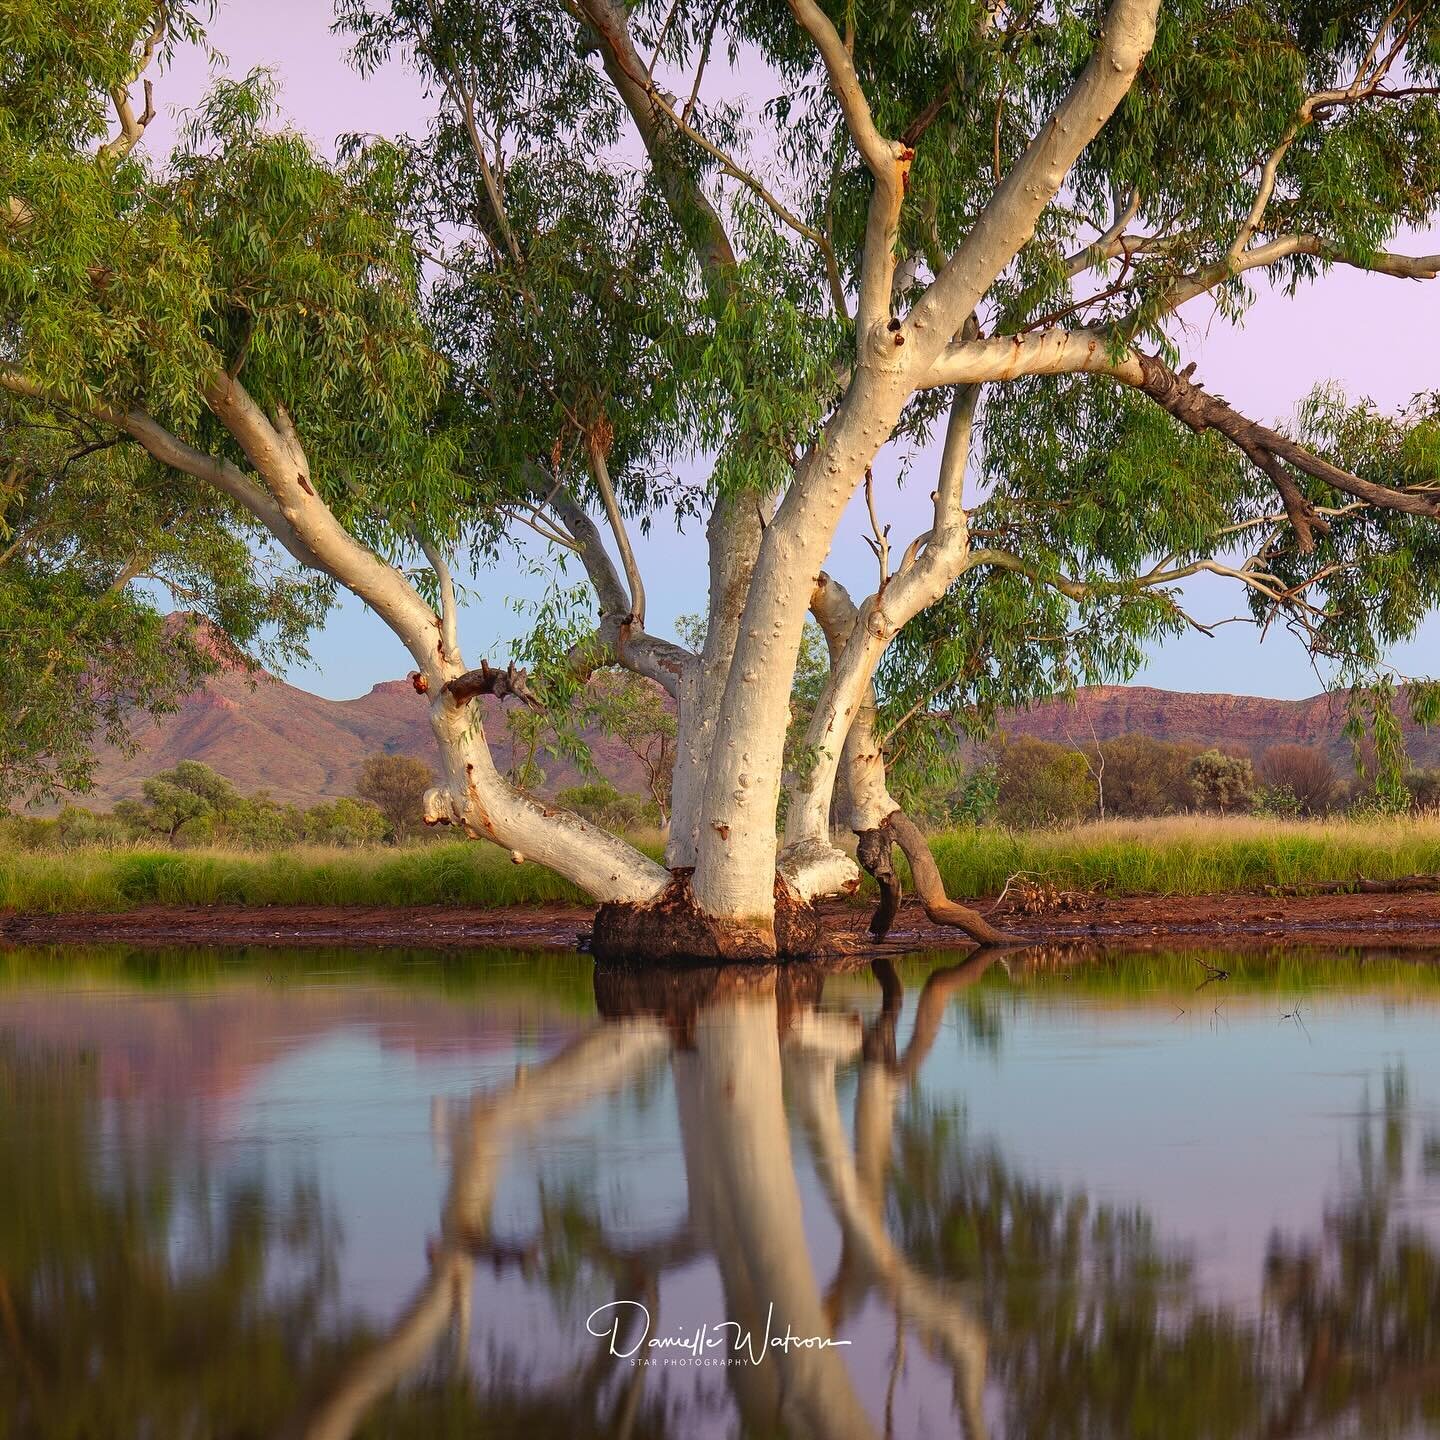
(142, 1295)
(138, 1292)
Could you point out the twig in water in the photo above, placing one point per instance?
(1212, 973)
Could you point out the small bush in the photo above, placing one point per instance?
(602, 804)
(1041, 783)
(1306, 772)
(1144, 777)
(1222, 782)
(1277, 802)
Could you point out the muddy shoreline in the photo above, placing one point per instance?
(1411, 920)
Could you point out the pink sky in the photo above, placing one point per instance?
(1375, 335)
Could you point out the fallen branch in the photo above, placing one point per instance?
(1401, 885)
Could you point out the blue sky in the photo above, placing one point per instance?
(1372, 334)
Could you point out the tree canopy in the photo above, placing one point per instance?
(602, 274)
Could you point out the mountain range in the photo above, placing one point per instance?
(265, 734)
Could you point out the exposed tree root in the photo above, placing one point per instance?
(874, 855)
(675, 928)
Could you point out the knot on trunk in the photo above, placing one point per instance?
(487, 680)
(438, 807)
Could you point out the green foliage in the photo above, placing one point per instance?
(346, 822)
(193, 805)
(1222, 782)
(176, 798)
(91, 539)
(395, 786)
(638, 714)
(1276, 802)
(1143, 776)
(602, 804)
(1040, 783)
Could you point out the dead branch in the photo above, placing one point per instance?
(489, 681)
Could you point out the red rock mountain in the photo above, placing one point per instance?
(265, 734)
(1238, 722)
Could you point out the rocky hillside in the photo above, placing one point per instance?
(265, 734)
(1238, 722)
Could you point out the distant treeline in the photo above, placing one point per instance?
(193, 805)
(1026, 783)
(1018, 784)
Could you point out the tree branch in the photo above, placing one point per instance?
(887, 160)
(132, 126)
(449, 615)
(600, 473)
(619, 635)
(1009, 220)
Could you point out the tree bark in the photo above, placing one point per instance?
(874, 815)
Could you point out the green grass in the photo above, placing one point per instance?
(444, 874)
(1190, 855)
(1187, 855)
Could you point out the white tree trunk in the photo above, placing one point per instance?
(733, 534)
(735, 870)
(744, 1195)
(857, 641)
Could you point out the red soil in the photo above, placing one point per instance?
(1410, 920)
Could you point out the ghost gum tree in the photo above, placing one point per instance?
(600, 267)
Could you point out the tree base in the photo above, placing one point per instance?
(674, 928)
(678, 994)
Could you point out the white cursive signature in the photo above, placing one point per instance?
(619, 1315)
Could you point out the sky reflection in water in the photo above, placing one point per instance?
(327, 1195)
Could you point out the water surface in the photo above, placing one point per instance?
(333, 1194)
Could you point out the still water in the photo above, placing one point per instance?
(501, 1195)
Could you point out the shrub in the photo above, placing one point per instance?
(1424, 788)
(345, 822)
(395, 785)
(1307, 772)
(1143, 777)
(1041, 783)
(601, 803)
(192, 799)
(1222, 782)
(1278, 802)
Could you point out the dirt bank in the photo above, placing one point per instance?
(1412, 920)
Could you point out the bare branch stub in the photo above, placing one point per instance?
(487, 680)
